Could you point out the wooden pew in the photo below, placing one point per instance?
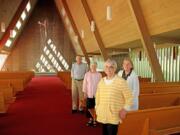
(65, 76)
(2, 103)
(159, 87)
(8, 94)
(158, 84)
(26, 76)
(17, 84)
(157, 100)
(17, 79)
(3, 106)
(8, 91)
(142, 79)
(157, 121)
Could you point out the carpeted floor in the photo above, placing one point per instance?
(44, 108)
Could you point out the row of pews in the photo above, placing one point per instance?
(10, 84)
(159, 112)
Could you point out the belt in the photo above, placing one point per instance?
(78, 79)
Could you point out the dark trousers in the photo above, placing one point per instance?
(90, 104)
(109, 129)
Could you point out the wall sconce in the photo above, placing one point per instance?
(154, 45)
(70, 30)
(76, 39)
(82, 34)
(109, 13)
(92, 26)
(67, 21)
(3, 27)
(63, 12)
(129, 50)
(11, 33)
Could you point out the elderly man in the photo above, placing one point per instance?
(77, 74)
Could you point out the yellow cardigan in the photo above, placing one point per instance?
(110, 99)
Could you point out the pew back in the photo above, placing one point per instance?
(142, 122)
(159, 87)
(156, 100)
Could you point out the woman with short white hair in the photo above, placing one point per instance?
(113, 99)
(130, 76)
(90, 83)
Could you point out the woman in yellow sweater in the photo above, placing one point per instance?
(113, 99)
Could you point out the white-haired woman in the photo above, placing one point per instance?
(113, 99)
(90, 83)
(130, 76)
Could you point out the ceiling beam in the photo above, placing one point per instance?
(147, 43)
(65, 5)
(96, 32)
(160, 40)
(117, 50)
(94, 53)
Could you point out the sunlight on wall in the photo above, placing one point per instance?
(2, 60)
(51, 60)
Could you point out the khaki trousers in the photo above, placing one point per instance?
(77, 93)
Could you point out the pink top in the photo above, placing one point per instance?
(90, 83)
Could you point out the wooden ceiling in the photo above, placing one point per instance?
(162, 18)
(82, 23)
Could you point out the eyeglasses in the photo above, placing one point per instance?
(109, 67)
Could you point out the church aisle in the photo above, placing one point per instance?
(44, 108)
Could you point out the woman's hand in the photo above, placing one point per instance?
(122, 113)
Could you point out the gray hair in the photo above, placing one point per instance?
(129, 59)
(93, 63)
(112, 62)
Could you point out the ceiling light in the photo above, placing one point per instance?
(82, 34)
(3, 27)
(92, 26)
(109, 13)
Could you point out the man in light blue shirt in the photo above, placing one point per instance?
(77, 74)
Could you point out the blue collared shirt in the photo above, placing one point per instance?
(78, 71)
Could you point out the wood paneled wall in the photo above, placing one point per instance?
(31, 42)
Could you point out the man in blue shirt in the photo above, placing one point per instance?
(77, 74)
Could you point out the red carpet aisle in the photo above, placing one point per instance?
(44, 108)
